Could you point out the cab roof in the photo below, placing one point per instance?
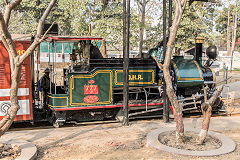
(72, 38)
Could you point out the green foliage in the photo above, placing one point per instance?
(197, 20)
(108, 23)
(74, 16)
(222, 20)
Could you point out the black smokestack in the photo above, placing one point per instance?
(198, 52)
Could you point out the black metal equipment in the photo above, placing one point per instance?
(53, 30)
(166, 103)
(126, 27)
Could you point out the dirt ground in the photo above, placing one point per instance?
(9, 152)
(111, 141)
(210, 142)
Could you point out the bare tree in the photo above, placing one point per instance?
(142, 8)
(206, 107)
(231, 31)
(15, 59)
(207, 113)
(228, 35)
(234, 33)
(179, 9)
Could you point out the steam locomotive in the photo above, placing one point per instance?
(93, 85)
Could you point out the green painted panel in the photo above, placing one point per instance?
(188, 72)
(91, 89)
(144, 76)
(58, 100)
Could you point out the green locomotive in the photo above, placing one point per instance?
(93, 85)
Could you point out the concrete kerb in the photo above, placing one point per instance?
(228, 145)
(28, 150)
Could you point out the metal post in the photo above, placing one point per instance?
(49, 66)
(170, 15)
(55, 70)
(126, 25)
(164, 53)
(37, 72)
(169, 25)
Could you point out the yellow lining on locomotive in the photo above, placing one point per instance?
(133, 83)
(58, 106)
(183, 79)
(90, 76)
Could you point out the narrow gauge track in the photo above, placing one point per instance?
(46, 125)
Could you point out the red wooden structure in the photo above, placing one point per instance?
(25, 87)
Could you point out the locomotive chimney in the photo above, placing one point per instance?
(198, 51)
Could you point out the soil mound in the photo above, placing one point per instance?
(9, 152)
(168, 139)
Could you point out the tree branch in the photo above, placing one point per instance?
(44, 16)
(6, 37)
(139, 2)
(6, 1)
(159, 64)
(38, 38)
(207, 113)
(8, 10)
(215, 95)
(139, 7)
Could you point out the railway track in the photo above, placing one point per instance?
(46, 125)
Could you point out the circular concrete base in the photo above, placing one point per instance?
(228, 145)
(28, 150)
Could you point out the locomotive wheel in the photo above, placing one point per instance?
(56, 125)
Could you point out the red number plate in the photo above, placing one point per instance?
(90, 89)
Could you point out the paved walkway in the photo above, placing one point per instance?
(232, 90)
(217, 124)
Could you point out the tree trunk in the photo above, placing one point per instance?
(143, 6)
(228, 35)
(234, 34)
(176, 107)
(170, 91)
(12, 112)
(16, 60)
(207, 113)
